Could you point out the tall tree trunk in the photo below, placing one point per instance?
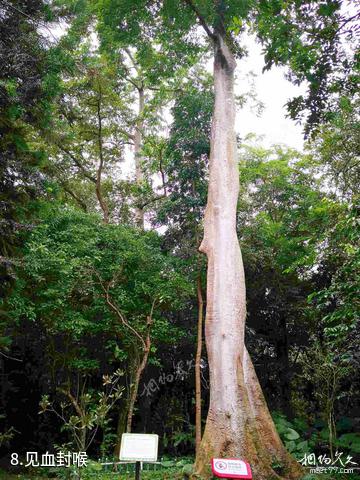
(198, 362)
(138, 135)
(238, 422)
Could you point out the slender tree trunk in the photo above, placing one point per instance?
(198, 363)
(82, 445)
(140, 369)
(282, 351)
(331, 391)
(135, 385)
(98, 186)
(139, 177)
(127, 408)
(81, 437)
(121, 426)
(238, 422)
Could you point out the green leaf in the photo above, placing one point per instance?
(291, 434)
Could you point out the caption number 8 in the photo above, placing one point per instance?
(14, 459)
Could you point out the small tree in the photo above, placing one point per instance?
(73, 288)
(83, 411)
(326, 369)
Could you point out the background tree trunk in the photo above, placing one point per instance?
(138, 136)
(98, 187)
(198, 363)
(282, 353)
(238, 423)
(121, 425)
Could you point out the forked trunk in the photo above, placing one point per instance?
(238, 423)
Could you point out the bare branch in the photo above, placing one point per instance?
(127, 134)
(116, 310)
(72, 399)
(76, 161)
(201, 19)
(152, 200)
(135, 65)
(74, 196)
(10, 358)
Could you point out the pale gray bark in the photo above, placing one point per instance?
(238, 423)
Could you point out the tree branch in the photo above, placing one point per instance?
(115, 309)
(152, 200)
(10, 358)
(135, 65)
(75, 404)
(126, 134)
(76, 161)
(201, 19)
(162, 173)
(74, 196)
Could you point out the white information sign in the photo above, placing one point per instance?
(139, 447)
(230, 468)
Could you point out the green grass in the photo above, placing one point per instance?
(168, 474)
(174, 473)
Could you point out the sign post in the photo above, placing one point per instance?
(137, 471)
(230, 468)
(138, 447)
